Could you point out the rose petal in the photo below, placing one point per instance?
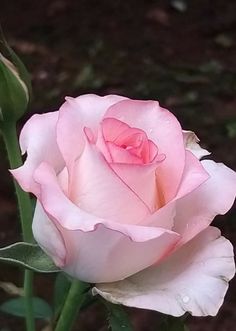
(158, 124)
(196, 210)
(121, 155)
(142, 180)
(94, 244)
(194, 279)
(105, 255)
(193, 176)
(75, 114)
(97, 189)
(69, 216)
(122, 139)
(38, 139)
(191, 143)
(48, 236)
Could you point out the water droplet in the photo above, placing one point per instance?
(151, 130)
(185, 299)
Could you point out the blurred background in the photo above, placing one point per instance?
(182, 53)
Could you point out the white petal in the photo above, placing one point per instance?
(38, 139)
(194, 279)
(191, 142)
(196, 210)
(48, 236)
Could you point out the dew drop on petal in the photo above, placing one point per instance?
(185, 299)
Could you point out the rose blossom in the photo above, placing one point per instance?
(124, 202)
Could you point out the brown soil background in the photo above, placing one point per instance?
(143, 49)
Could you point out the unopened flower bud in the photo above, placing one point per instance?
(15, 87)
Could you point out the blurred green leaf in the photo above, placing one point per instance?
(61, 288)
(224, 40)
(211, 67)
(231, 129)
(16, 307)
(88, 300)
(87, 78)
(179, 5)
(117, 318)
(173, 324)
(29, 256)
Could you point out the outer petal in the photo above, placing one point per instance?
(38, 139)
(191, 142)
(196, 210)
(75, 114)
(194, 279)
(105, 255)
(48, 236)
(94, 244)
(158, 124)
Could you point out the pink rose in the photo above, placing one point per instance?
(124, 202)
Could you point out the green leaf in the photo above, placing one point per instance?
(173, 324)
(16, 307)
(88, 300)
(61, 288)
(231, 129)
(117, 317)
(29, 256)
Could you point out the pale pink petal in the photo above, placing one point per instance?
(121, 155)
(75, 114)
(146, 187)
(164, 130)
(163, 217)
(94, 244)
(48, 236)
(98, 190)
(92, 107)
(196, 210)
(38, 139)
(105, 255)
(194, 279)
(70, 217)
(193, 176)
(191, 143)
(142, 180)
(133, 140)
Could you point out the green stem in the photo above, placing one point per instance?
(15, 160)
(28, 294)
(25, 209)
(72, 305)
